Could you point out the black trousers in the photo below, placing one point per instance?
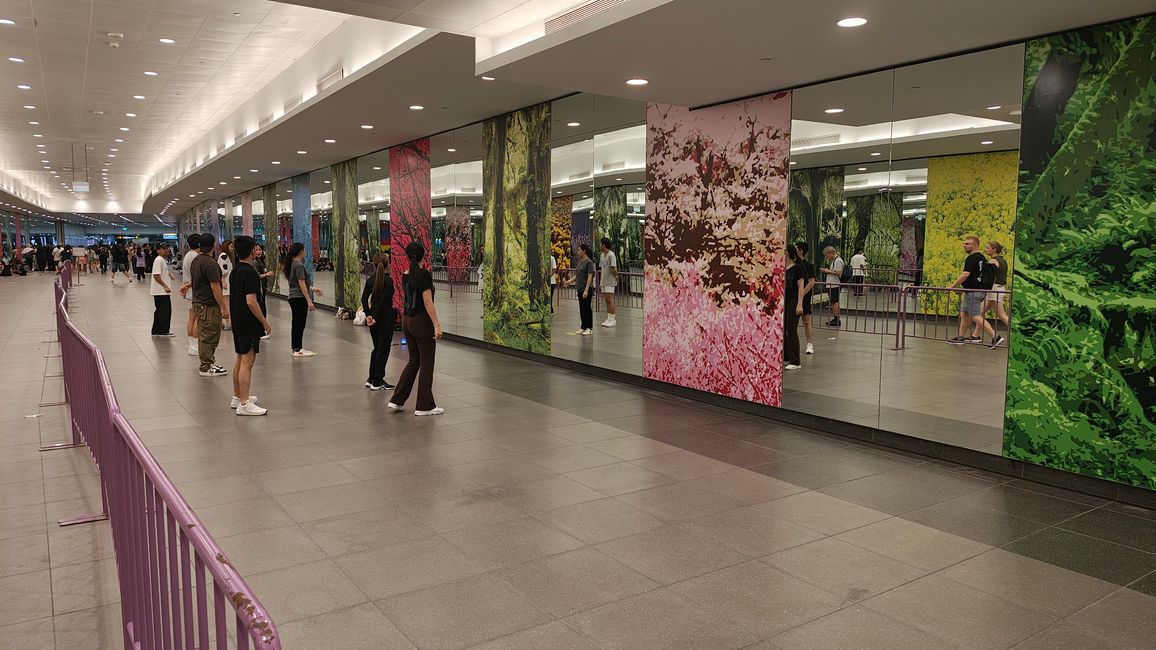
(140, 273)
(585, 312)
(418, 332)
(791, 337)
(300, 308)
(162, 314)
(382, 333)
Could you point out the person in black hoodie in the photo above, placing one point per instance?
(377, 301)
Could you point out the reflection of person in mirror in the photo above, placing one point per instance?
(971, 307)
(608, 267)
(793, 309)
(553, 279)
(858, 270)
(994, 252)
(833, 271)
(808, 271)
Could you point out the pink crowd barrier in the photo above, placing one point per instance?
(166, 559)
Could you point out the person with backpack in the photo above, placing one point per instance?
(994, 253)
(977, 278)
(837, 273)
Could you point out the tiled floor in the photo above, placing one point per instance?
(543, 510)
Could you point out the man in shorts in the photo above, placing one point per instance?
(209, 306)
(249, 324)
(972, 306)
(832, 274)
(608, 265)
(808, 286)
(194, 242)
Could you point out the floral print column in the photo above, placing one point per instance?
(410, 216)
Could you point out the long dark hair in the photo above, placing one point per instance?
(380, 273)
(415, 253)
(287, 261)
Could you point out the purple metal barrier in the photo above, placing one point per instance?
(165, 558)
(933, 312)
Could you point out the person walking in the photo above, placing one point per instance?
(265, 273)
(608, 266)
(194, 242)
(377, 301)
(583, 282)
(57, 251)
(834, 273)
(102, 257)
(422, 329)
(161, 291)
(971, 307)
(249, 325)
(301, 292)
(225, 261)
(994, 301)
(209, 306)
(792, 309)
(139, 259)
(119, 262)
(808, 271)
(858, 270)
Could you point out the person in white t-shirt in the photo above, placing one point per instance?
(194, 242)
(831, 275)
(858, 270)
(161, 289)
(225, 261)
(553, 279)
(608, 269)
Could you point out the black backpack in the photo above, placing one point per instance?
(986, 278)
(845, 274)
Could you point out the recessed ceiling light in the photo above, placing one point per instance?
(451, 150)
(37, 135)
(416, 107)
(199, 192)
(852, 22)
(113, 149)
(138, 96)
(35, 123)
(330, 141)
(16, 59)
(377, 168)
(367, 126)
(112, 155)
(43, 161)
(24, 86)
(994, 108)
(130, 114)
(150, 73)
(637, 81)
(302, 152)
(223, 183)
(862, 169)
(236, 178)
(7, 21)
(832, 111)
(876, 153)
(119, 140)
(124, 128)
(166, 41)
(192, 195)
(275, 162)
(326, 182)
(40, 145)
(987, 142)
(30, 107)
(573, 124)
(253, 171)
(794, 163)
(485, 78)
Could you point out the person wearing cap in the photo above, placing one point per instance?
(161, 289)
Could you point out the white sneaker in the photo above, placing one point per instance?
(251, 408)
(587, 332)
(810, 349)
(610, 323)
(437, 410)
(214, 371)
(193, 351)
(580, 332)
(266, 337)
(236, 401)
(395, 407)
(791, 366)
(304, 353)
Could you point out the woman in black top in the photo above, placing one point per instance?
(793, 309)
(420, 326)
(377, 301)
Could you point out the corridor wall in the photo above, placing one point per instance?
(516, 190)
(411, 218)
(713, 246)
(1081, 390)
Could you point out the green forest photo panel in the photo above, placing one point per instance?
(516, 182)
(1080, 372)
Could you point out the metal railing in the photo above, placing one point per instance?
(165, 557)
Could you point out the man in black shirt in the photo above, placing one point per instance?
(249, 324)
(808, 271)
(971, 307)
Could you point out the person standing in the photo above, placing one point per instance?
(102, 257)
(792, 310)
(139, 259)
(194, 242)
(265, 273)
(209, 306)
(377, 301)
(583, 282)
(57, 251)
(858, 270)
(808, 271)
(301, 292)
(833, 273)
(994, 252)
(421, 328)
(249, 325)
(225, 261)
(161, 291)
(608, 265)
(553, 279)
(971, 308)
(119, 262)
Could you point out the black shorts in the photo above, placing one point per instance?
(834, 293)
(807, 305)
(246, 344)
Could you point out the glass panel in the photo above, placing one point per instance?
(460, 226)
(321, 216)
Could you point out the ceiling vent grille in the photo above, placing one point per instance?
(575, 16)
(330, 79)
(265, 121)
(292, 103)
(816, 141)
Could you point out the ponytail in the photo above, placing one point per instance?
(287, 261)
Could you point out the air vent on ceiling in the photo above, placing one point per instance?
(832, 138)
(330, 79)
(611, 166)
(577, 177)
(264, 121)
(575, 16)
(292, 103)
(469, 190)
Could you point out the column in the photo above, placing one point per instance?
(302, 223)
(343, 230)
(272, 239)
(60, 232)
(373, 231)
(19, 244)
(247, 214)
(230, 222)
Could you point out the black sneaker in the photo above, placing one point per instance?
(996, 341)
(214, 371)
(974, 339)
(958, 340)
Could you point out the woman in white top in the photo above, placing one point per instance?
(225, 261)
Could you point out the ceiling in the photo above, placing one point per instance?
(83, 88)
(696, 53)
(484, 18)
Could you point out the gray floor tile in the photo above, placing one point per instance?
(680, 501)
(751, 531)
(304, 591)
(849, 572)
(23, 555)
(747, 487)
(975, 523)
(683, 465)
(570, 458)
(1033, 584)
(920, 546)
(30, 634)
(602, 520)
(28, 596)
(82, 586)
(619, 478)
(1066, 636)
(408, 566)
(857, 627)
(462, 510)
(668, 621)
(1126, 618)
(1088, 555)
(362, 531)
(821, 512)
(512, 541)
(671, 554)
(358, 628)
(904, 490)
(546, 494)
(97, 628)
(1118, 527)
(551, 635)
(573, 582)
(266, 550)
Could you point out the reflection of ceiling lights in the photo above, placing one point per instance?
(166, 41)
(994, 108)
(16, 59)
(302, 152)
(416, 107)
(24, 87)
(862, 169)
(451, 150)
(329, 141)
(326, 182)
(987, 142)
(484, 78)
(275, 162)
(150, 73)
(138, 96)
(832, 111)
(367, 126)
(852, 22)
(876, 153)
(7, 21)
(637, 81)
(30, 107)
(573, 124)
(377, 169)
(253, 171)
(794, 163)
(124, 128)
